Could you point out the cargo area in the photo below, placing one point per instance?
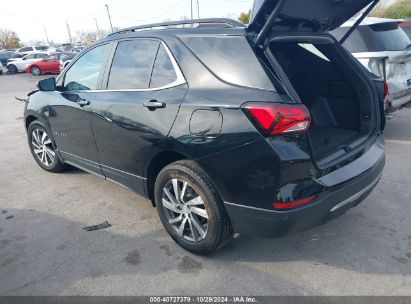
(339, 100)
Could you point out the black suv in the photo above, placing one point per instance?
(264, 130)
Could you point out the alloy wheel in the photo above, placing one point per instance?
(185, 210)
(35, 71)
(43, 147)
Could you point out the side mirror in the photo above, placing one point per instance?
(47, 85)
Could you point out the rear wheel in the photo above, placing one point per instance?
(190, 208)
(12, 69)
(35, 70)
(42, 148)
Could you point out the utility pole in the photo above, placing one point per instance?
(69, 33)
(98, 31)
(109, 18)
(47, 37)
(198, 9)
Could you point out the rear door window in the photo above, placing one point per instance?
(132, 64)
(163, 70)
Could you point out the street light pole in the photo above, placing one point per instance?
(47, 37)
(191, 10)
(109, 18)
(98, 31)
(198, 9)
(69, 33)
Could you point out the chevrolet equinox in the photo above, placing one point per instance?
(265, 130)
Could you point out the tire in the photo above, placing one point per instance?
(199, 195)
(35, 70)
(12, 69)
(42, 148)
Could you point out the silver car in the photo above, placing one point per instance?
(17, 65)
(385, 50)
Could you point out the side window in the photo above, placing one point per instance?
(26, 49)
(52, 57)
(163, 71)
(132, 64)
(85, 72)
(31, 56)
(40, 55)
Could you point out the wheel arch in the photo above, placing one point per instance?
(156, 164)
(29, 119)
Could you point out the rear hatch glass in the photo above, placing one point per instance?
(379, 37)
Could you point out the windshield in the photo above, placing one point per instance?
(374, 38)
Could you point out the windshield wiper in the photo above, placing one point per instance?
(408, 46)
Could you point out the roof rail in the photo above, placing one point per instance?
(212, 22)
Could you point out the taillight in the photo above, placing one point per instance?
(278, 118)
(293, 204)
(386, 91)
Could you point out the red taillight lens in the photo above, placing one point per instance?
(386, 91)
(294, 204)
(278, 118)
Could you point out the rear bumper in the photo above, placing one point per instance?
(348, 192)
(395, 104)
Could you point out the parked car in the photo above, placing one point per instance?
(30, 49)
(1, 69)
(264, 130)
(385, 50)
(4, 56)
(78, 49)
(65, 47)
(49, 64)
(64, 62)
(406, 26)
(17, 65)
(14, 57)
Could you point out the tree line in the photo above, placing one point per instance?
(399, 9)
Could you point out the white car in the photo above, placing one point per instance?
(385, 50)
(19, 64)
(32, 49)
(1, 69)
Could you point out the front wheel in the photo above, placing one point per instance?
(190, 208)
(12, 69)
(42, 148)
(35, 70)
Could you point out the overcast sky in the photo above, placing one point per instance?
(28, 18)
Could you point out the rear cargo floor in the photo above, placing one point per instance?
(326, 140)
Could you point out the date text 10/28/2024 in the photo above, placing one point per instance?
(238, 299)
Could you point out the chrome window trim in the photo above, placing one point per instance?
(179, 81)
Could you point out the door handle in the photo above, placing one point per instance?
(154, 104)
(82, 102)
